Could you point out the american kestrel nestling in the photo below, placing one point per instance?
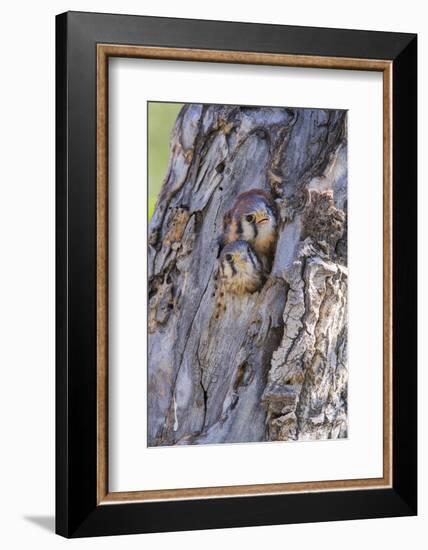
(253, 219)
(240, 269)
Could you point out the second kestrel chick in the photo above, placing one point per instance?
(240, 269)
(253, 218)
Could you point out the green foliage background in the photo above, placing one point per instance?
(161, 120)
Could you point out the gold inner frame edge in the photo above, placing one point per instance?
(104, 51)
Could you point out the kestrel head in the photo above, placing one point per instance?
(241, 271)
(253, 219)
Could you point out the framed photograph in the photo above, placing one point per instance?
(236, 274)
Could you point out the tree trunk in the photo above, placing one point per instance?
(274, 365)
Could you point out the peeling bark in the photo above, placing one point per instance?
(274, 365)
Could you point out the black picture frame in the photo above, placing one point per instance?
(77, 511)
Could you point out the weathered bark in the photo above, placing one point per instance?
(274, 366)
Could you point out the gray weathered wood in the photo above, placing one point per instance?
(274, 365)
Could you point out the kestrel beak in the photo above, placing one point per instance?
(263, 219)
(241, 261)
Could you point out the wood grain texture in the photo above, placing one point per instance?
(102, 275)
(242, 57)
(270, 365)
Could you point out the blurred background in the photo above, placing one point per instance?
(161, 120)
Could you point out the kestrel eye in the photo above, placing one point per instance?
(228, 257)
(249, 218)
